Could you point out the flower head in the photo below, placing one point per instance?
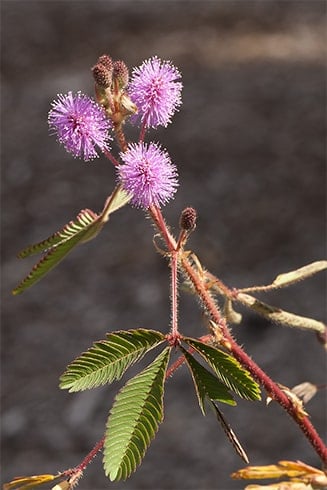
(80, 125)
(148, 174)
(155, 91)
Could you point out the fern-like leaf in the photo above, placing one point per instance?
(228, 370)
(134, 419)
(84, 218)
(206, 384)
(107, 360)
(85, 227)
(76, 232)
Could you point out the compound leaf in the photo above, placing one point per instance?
(228, 370)
(84, 228)
(134, 419)
(107, 360)
(206, 384)
(84, 218)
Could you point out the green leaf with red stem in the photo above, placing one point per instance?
(207, 385)
(228, 370)
(85, 227)
(61, 244)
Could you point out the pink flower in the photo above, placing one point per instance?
(148, 174)
(156, 92)
(80, 125)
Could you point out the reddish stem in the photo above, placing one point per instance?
(120, 136)
(220, 286)
(88, 458)
(142, 133)
(174, 300)
(278, 395)
(111, 158)
(77, 472)
(170, 371)
(272, 388)
(162, 227)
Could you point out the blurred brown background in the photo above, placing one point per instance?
(249, 143)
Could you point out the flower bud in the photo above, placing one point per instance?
(102, 76)
(120, 74)
(187, 220)
(106, 61)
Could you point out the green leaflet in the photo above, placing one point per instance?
(228, 370)
(85, 217)
(206, 384)
(86, 226)
(59, 245)
(134, 419)
(107, 360)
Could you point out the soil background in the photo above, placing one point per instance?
(249, 142)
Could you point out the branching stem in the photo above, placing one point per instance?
(159, 221)
(272, 388)
(211, 307)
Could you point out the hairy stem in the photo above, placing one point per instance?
(142, 133)
(159, 221)
(87, 460)
(171, 370)
(77, 472)
(210, 305)
(120, 137)
(272, 388)
(110, 157)
(174, 296)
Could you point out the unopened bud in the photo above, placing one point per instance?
(106, 61)
(121, 74)
(187, 220)
(102, 76)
